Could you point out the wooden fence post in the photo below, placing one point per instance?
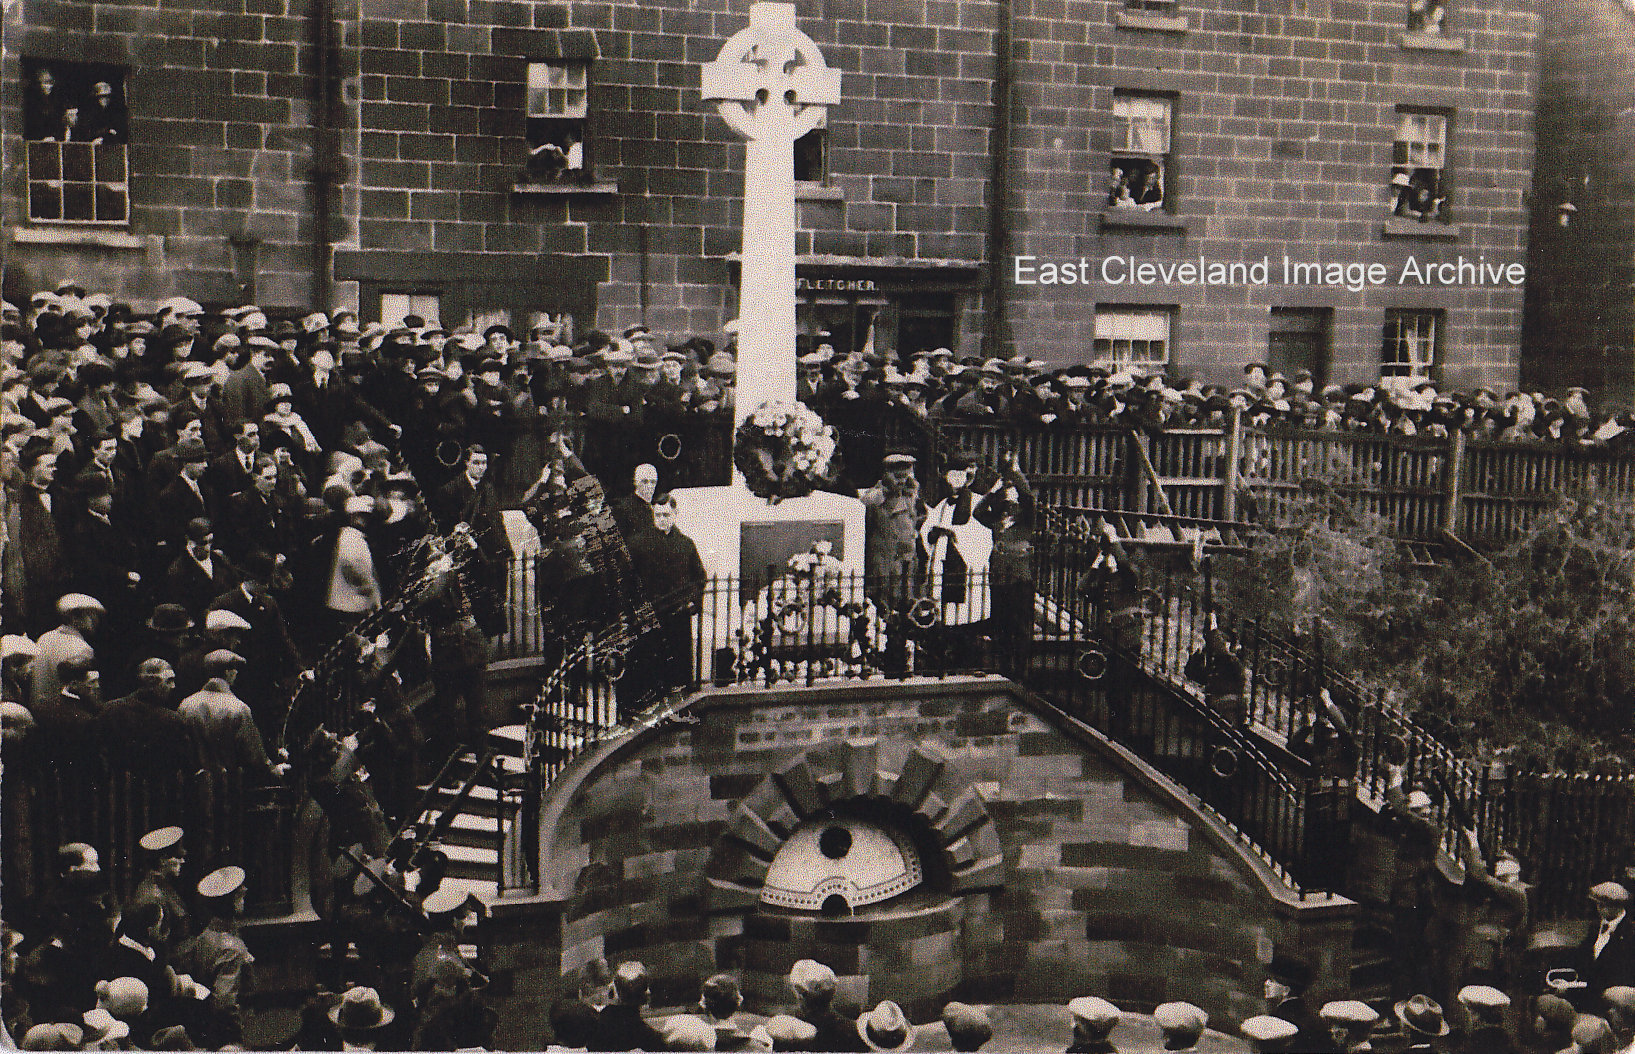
(1137, 481)
(1454, 471)
(1234, 452)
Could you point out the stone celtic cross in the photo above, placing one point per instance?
(772, 86)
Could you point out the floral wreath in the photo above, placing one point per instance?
(784, 450)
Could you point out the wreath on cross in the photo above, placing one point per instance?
(784, 450)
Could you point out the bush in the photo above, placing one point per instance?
(1528, 655)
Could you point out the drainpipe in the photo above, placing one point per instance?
(999, 183)
(325, 162)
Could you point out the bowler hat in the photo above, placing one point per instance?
(169, 618)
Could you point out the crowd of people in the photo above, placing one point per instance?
(1027, 392)
(220, 530)
(202, 510)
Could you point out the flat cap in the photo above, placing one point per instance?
(1352, 1013)
(1264, 1028)
(223, 619)
(16, 644)
(179, 305)
(965, 1020)
(810, 977)
(1621, 996)
(1610, 893)
(71, 602)
(789, 1033)
(1485, 997)
(1180, 1017)
(223, 659)
(688, 1032)
(446, 900)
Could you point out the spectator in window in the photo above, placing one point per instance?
(1147, 187)
(42, 106)
(104, 119)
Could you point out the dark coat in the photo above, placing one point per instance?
(835, 1031)
(621, 1027)
(186, 582)
(177, 504)
(668, 567)
(142, 733)
(1616, 963)
(459, 502)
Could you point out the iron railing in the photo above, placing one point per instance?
(227, 817)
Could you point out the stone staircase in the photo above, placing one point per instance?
(469, 814)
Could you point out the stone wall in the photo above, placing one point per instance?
(1284, 116)
(220, 95)
(1284, 119)
(1065, 859)
(1581, 293)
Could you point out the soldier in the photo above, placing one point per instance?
(443, 985)
(1285, 991)
(216, 957)
(814, 985)
(165, 856)
(893, 514)
(362, 1019)
(718, 1003)
(620, 1026)
(1487, 1034)
(1422, 1022)
(885, 1028)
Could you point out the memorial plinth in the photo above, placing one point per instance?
(771, 85)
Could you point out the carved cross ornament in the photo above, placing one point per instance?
(770, 82)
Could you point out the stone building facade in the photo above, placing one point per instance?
(485, 159)
(1581, 274)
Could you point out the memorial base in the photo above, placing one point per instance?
(740, 534)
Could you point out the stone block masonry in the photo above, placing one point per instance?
(1054, 868)
(1280, 140)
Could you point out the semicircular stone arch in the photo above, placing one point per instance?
(949, 819)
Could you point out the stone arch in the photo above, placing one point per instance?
(948, 815)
